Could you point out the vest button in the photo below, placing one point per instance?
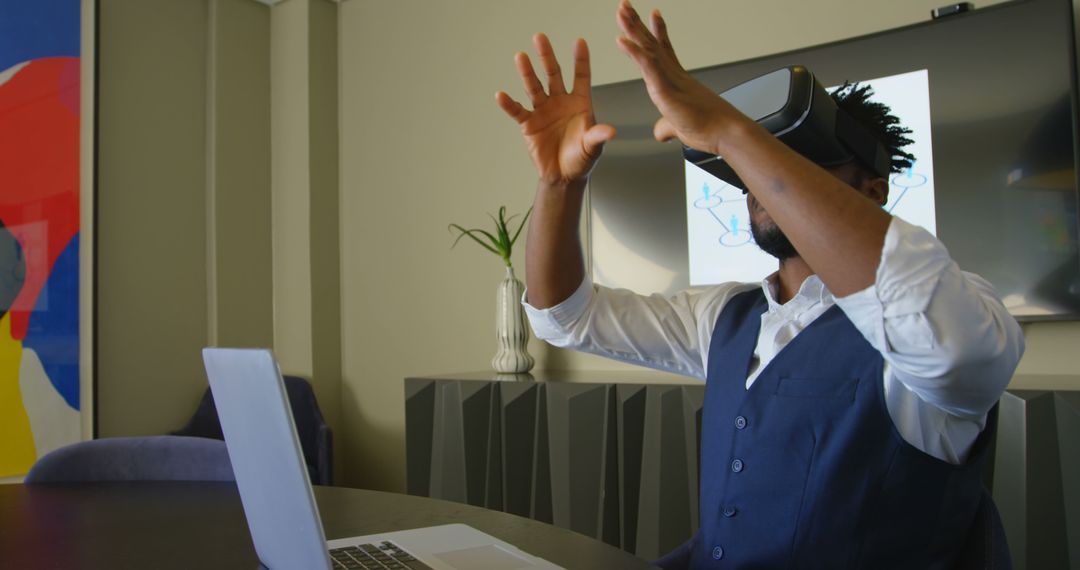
(737, 465)
(717, 552)
(740, 422)
(730, 511)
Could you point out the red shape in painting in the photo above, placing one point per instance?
(39, 169)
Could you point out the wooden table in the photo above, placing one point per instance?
(202, 525)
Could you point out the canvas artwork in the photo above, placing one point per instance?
(39, 230)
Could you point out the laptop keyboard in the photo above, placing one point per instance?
(386, 555)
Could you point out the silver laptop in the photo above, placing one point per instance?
(277, 497)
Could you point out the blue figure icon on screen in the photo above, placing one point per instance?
(904, 181)
(722, 204)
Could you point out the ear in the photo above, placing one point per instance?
(877, 189)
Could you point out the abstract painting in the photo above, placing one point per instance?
(40, 399)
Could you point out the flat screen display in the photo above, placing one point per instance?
(990, 98)
(719, 244)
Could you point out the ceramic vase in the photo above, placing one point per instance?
(511, 330)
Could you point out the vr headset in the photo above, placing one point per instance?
(793, 106)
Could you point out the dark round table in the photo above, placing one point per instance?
(201, 525)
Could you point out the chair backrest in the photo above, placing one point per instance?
(986, 547)
(316, 438)
(153, 458)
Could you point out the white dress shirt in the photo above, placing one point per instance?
(950, 347)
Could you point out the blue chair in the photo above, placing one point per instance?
(316, 439)
(153, 458)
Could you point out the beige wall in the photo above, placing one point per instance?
(183, 201)
(151, 213)
(216, 201)
(305, 196)
(365, 287)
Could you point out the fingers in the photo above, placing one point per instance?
(582, 68)
(659, 29)
(533, 88)
(646, 47)
(663, 131)
(633, 29)
(550, 63)
(516, 110)
(631, 49)
(595, 137)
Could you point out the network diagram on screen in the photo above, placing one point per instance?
(720, 245)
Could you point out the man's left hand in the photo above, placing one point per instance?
(690, 111)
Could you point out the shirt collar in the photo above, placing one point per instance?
(811, 292)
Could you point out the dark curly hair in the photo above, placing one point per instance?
(879, 120)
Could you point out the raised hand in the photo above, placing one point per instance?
(690, 111)
(561, 133)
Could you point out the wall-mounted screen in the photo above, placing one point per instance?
(990, 98)
(719, 244)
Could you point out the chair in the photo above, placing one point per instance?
(154, 458)
(986, 547)
(315, 436)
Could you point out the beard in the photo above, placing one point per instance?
(772, 241)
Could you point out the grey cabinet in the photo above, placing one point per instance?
(618, 461)
(614, 461)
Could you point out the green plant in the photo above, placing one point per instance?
(501, 243)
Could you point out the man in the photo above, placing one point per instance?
(848, 397)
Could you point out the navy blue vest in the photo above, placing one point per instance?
(806, 468)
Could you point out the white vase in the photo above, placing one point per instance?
(511, 330)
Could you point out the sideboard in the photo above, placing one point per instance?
(614, 456)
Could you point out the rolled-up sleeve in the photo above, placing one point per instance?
(665, 333)
(555, 323)
(945, 333)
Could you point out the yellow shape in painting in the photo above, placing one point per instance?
(17, 451)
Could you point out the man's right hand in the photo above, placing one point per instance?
(561, 133)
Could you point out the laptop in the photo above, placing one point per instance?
(276, 492)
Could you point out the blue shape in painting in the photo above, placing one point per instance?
(54, 325)
(34, 29)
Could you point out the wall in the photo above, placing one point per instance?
(216, 202)
(304, 196)
(183, 201)
(152, 295)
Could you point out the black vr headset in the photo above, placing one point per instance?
(793, 106)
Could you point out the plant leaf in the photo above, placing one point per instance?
(465, 232)
(500, 243)
(521, 225)
(496, 243)
(500, 230)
